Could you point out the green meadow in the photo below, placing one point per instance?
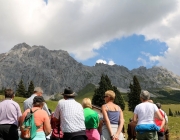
(174, 122)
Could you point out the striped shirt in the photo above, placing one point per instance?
(71, 115)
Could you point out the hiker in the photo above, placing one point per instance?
(28, 103)
(57, 133)
(144, 116)
(161, 133)
(71, 117)
(131, 130)
(10, 114)
(113, 118)
(41, 118)
(91, 120)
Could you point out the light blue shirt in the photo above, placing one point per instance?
(28, 103)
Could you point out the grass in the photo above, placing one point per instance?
(174, 122)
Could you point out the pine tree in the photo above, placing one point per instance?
(98, 97)
(134, 94)
(104, 85)
(119, 99)
(30, 89)
(170, 112)
(21, 89)
(130, 97)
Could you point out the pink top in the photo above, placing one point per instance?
(40, 116)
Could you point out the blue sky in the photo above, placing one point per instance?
(127, 50)
(123, 32)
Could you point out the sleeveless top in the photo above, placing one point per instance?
(113, 116)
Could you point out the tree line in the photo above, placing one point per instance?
(105, 84)
(21, 90)
(98, 97)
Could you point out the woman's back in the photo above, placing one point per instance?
(113, 114)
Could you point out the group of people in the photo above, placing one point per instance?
(79, 121)
(150, 119)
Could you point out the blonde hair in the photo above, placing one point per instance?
(111, 94)
(86, 102)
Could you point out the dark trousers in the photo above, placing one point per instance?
(8, 132)
(161, 136)
(81, 135)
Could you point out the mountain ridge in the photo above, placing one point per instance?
(54, 70)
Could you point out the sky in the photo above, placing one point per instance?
(123, 32)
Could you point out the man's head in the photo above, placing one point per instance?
(68, 93)
(158, 105)
(145, 95)
(38, 91)
(9, 93)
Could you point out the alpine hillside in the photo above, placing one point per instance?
(54, 70)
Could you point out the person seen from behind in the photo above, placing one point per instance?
(71, 116)
(28, 103)
(161, 133)
(41, 118)
(113, 118)
(10, 114)
(91, 120)
(131, 130)
(144, 116)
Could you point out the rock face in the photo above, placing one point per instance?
(55, 70)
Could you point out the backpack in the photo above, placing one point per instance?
(29, 128)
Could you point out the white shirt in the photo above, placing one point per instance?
(145, 112)
(71, 115)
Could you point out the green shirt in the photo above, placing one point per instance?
(91, 118)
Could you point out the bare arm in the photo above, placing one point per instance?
(121, 123)
(47, 126)
(159, 116)
(135, 118)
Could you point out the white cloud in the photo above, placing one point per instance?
(101, 61)
(82, 26)
(111, 62)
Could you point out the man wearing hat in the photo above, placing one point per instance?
(71, 117)
(28, 103)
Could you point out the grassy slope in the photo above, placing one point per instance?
(174, 122)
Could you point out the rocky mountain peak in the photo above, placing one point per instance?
(54, 70)
(21, 46)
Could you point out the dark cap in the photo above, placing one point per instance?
(38, 99)
(69, 92)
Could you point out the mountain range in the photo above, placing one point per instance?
(54, 70)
